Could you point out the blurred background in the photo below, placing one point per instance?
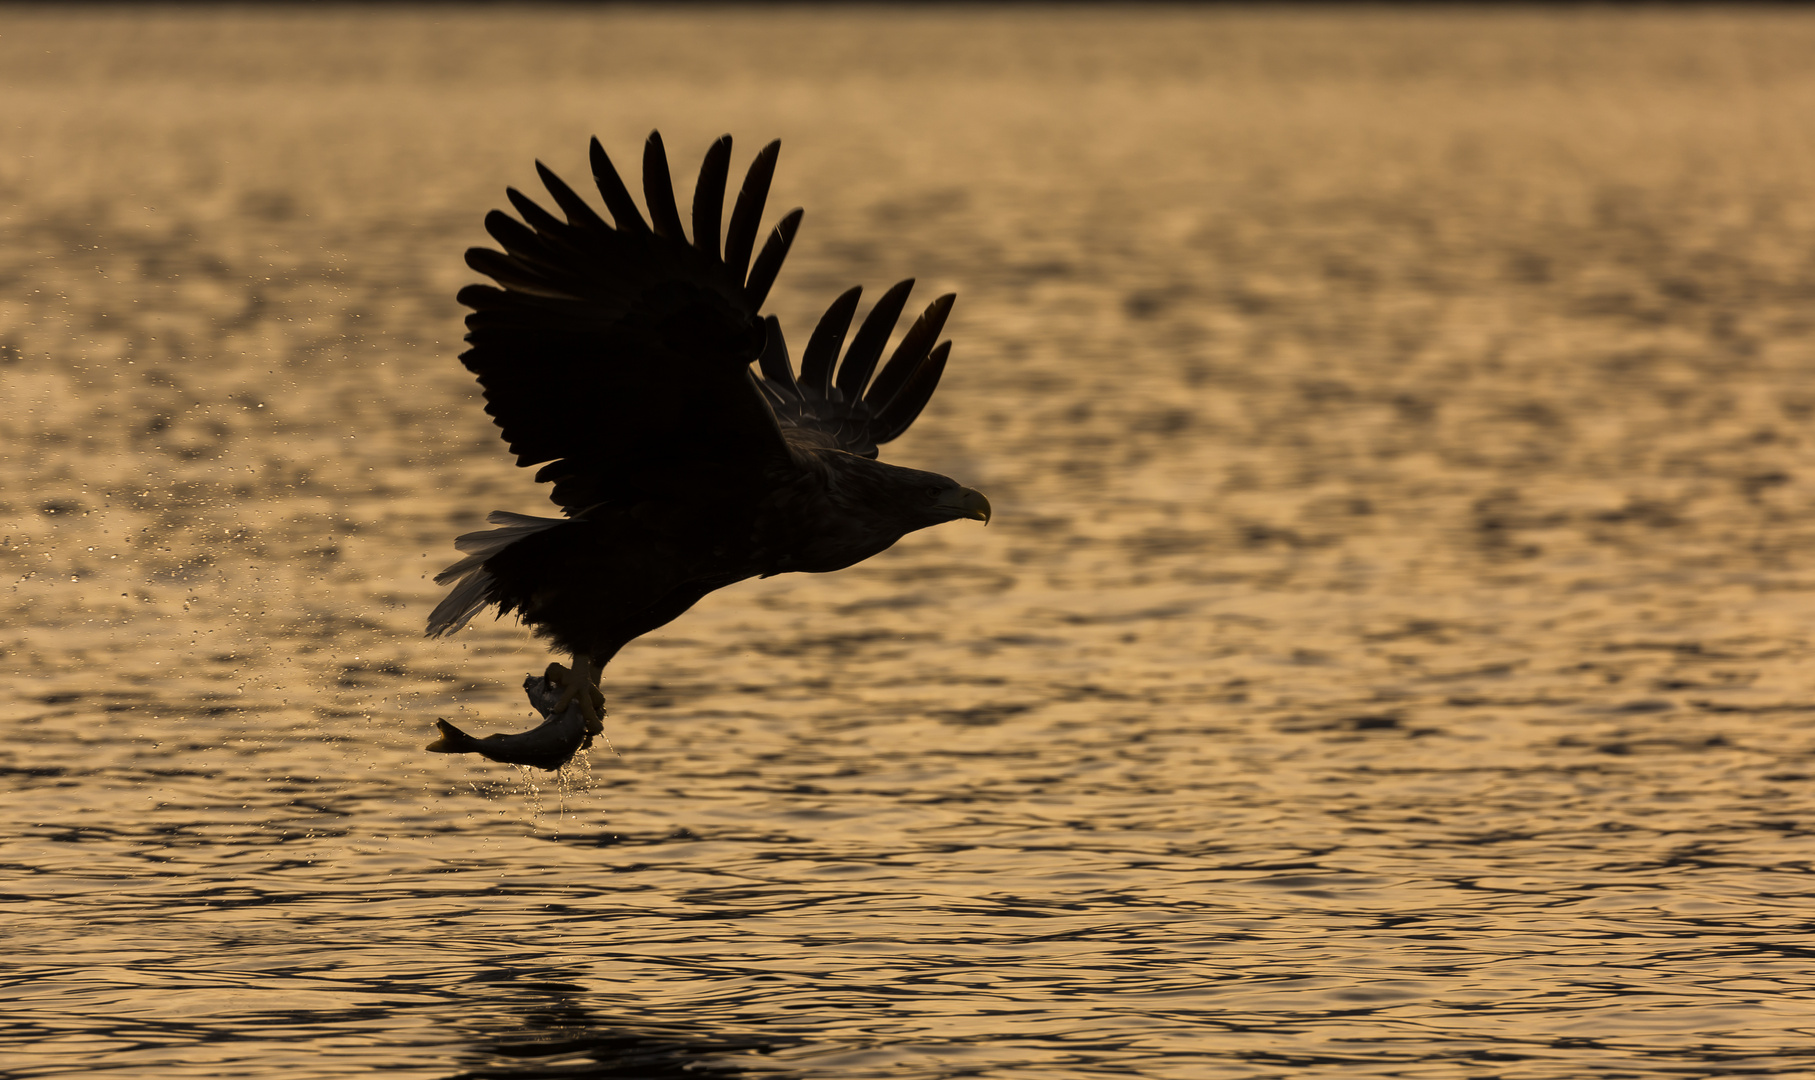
(1390, 655)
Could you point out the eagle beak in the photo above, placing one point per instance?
(966, 503)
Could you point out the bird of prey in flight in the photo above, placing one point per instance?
(686, 452)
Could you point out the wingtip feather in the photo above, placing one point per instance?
(746, 215)
(768, 263)
(709, 196)
(611, 188)
(866, 349)
(578, 213)
(828, 338)
(658, 190)
(776, 366)
(901, 412)
(911, 353)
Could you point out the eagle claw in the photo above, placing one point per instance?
(580, 684)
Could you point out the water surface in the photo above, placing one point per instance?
(1391, 655)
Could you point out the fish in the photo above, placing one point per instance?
(551, 745)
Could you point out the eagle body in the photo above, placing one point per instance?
(594, 583)
(686, 452)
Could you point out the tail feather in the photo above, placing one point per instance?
(472, 582)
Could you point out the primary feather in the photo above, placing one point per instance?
(618, 357)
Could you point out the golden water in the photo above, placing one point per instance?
(1391, 655)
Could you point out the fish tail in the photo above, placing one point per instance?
(452, 741)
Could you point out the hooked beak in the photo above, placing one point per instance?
(966, 503)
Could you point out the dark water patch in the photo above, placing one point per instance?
(570, 1043)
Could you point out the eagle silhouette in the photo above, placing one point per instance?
(618, 356)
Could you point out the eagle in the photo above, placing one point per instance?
(633, 364)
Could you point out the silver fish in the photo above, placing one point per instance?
(550, 746)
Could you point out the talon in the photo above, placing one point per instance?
(579, 683)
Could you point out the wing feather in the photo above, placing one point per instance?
(519, 240)
(709, 196)
(514, 274)
(537, 218)
(746, 216)
(911, 353)
(866, 348)
(815, 413)
(658, 190)
(618, 358)
(768, 263)
(611, 187)
(578, 213)
(774, 362)
(828, 338)
(913, 396)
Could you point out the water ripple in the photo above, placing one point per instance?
(1390, 655)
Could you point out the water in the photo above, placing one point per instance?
(1390, 657)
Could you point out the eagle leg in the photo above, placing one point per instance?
(580, 682)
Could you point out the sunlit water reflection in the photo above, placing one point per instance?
(1390, 656)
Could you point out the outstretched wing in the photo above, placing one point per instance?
(620, 353)
(848, 411)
